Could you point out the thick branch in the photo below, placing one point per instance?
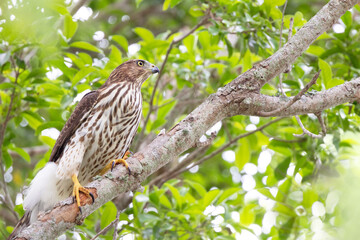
(310, 103)
(294, 99)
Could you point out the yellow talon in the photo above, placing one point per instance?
(112, 164)
(77, 189)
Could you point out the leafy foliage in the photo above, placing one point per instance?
(268, 184)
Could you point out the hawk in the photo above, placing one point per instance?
(97, 135)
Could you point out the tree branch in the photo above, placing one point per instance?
(305, 131)
(310, 103)
(78, 6)
(241, 96)
(294, 99)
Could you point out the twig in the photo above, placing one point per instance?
(207, 142)
(105, 229)
(78, 6)
(283, 140)
(115, 235)
(160, 179)
(305, 131)
(173, 42)
(8, 200)
(322, 124)
(294, 99)
(227, 131)
(178, 170)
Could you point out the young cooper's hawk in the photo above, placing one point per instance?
(99, 130)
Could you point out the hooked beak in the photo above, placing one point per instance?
(154, 69)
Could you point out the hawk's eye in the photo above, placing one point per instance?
(140, 63)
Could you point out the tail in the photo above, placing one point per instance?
(40, 196)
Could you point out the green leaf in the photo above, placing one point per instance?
(21, 152)
(229, 47)
(70, 26)
(176, 194)
(144, 33)
(138, 3)
(7, 158)
(166, 5)
(197, 187)
(284, 209)
(266, 192)
(52, 124)
(315, 50)
(174, 3)
(326, 73)
(227, 193)
(20, 63)
(210, 197)
(163, 111)
(309, 197)
(247, 63)
(115, 56)
(108, 215)
(7, 85)
(33, 119)
(275, 13)
(204, 39)
(82, 74)
(87, 59)
(85, 46)
(121, 40)
(171, 3)
(278, 2)
(243, 153)
(189, 43)
(214, 30)
(60, 9)
(347, 19)
(196, 11)
(283, 190)
(247, 215)
(47, 140)
(165, 201)
(281, 169)
(298, 19)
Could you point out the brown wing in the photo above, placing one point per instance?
(79, 115)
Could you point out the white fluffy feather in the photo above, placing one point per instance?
(42, 193)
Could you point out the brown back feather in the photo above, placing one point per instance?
(73, 123)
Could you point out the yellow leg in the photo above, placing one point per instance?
(77, 189)
(112, 164)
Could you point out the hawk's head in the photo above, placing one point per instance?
(135, 71)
